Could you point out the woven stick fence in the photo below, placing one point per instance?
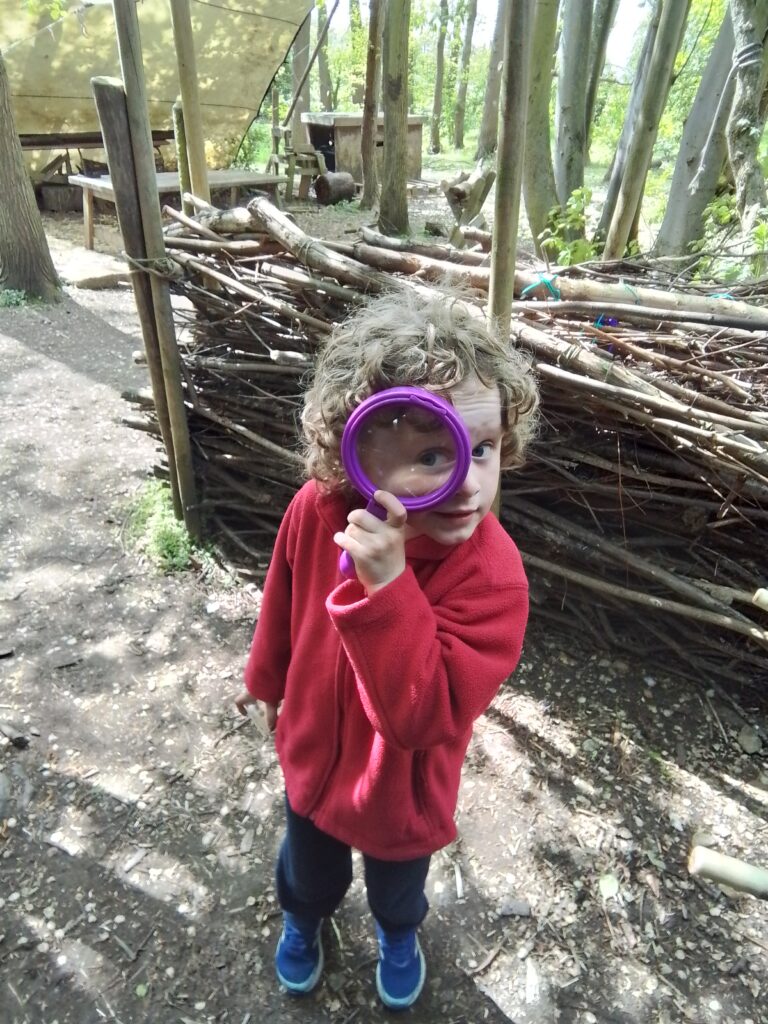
(642, 512)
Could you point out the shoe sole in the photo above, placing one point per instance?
(406, 1001)
(305, 987)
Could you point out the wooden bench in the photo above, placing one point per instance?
(168, 184)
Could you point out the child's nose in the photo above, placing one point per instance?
(471, 483)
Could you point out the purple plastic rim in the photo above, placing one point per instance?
(426, 400)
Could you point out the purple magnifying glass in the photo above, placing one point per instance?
(409, 442)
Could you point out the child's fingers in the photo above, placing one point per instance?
(396, 511)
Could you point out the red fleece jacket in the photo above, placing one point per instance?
(379, 694)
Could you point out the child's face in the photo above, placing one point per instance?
(459, 516)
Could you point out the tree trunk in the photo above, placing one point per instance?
(323, 67)
(509, 159)
(301, 48)
(489, 124)
(463, 77)
(25, 260)
(674, 14)
(393, 210)
(745, 128)
(538, 172)
(702, 152)
(371, 105)
(630, 119)
(437, 103)
(602, 22)
(570, 111)
(358, 47)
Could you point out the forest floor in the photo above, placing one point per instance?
(139, 816)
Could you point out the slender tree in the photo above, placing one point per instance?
(702, 153)
(639, 85)
(437, 102)
(509, 160)
(674, 14)
(460, 109)
(25, 260)
(357, 33)
(538, 173)
(323, 67)
(371, 105)
(393, 210)
(489, 124)
(603, 17)
(570, 110)
(745, 127)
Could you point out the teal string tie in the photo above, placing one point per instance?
(549, 284)
(722, 295)
(632, 292)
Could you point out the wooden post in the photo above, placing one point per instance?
(182, 156)
(113, 118)
(129, 48)
(509, 159)
(190, 97)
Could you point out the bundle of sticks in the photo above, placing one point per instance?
(642, 511)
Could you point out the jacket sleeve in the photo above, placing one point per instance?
(425, 672)
(270, 653)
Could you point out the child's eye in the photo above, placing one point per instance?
(482, 451)
(432, 458)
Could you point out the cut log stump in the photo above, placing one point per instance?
(333, 187)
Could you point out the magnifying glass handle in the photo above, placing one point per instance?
(346, 562)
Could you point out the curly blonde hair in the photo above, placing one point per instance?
(409, 338)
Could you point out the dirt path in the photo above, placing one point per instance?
(142, 821)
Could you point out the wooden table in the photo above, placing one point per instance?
(168, 184)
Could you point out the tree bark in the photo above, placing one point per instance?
(463, 77)
(393, 210)
(371, 105)
(745, 128)
(671, 26)
(509, 159)
(570, 111)
(25, 260)
(602, 22)
(437, 103)
(538, 173)
(489, 124)
(323, 67)
(702, 152)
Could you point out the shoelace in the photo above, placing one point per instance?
(297, 942)
(398, 952)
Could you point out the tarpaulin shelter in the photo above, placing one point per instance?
(240, 44)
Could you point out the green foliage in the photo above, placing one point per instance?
(154, 531)
(564, 239)
(55, 9)
(10, 297)
(726, 256)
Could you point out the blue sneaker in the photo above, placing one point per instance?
(401, 970)
(299, 955)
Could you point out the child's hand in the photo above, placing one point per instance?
(244, 700)
(377, 547)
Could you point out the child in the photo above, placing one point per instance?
(380, 678)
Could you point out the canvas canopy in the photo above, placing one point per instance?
(240, 44)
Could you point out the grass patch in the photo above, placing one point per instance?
(153, 530)
(11, 297)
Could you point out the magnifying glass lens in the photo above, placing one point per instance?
(406, 450)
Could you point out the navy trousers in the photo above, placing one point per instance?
(314, 871)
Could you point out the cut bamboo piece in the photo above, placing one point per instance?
(717, 867)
